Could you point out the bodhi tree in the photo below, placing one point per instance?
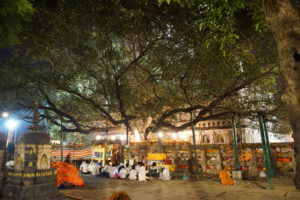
(282, 18)
(125, 62)
(113, 70)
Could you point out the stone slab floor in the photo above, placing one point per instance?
(205, 189)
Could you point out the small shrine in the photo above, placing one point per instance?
(32, 177)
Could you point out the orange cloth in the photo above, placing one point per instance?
(225, 178)
(246, 156)
(67, 173)
(284, 159)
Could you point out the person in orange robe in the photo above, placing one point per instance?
(225, 177)
(67, 173)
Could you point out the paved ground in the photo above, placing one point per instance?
(205, 189)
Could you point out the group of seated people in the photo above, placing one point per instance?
(92, 168)
(132, 172)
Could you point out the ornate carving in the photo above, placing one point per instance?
(44, 162)
(19, 162)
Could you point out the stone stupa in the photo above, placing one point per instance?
(32, 177)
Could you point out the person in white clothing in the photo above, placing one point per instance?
(123, 173)
(132, 174)
(165, 174)
(137, 167)
(105, 170)
(262, 174)
(128, 168)
(94, 168)
(112, 171)
(142, 173)
(84, 167)
(90, 166)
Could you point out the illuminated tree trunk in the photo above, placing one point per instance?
(283, 19)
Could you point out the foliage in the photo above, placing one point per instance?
(12, 15)
(221, 20)
(137, 63)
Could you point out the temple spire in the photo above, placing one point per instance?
(36, 118)
(36, 114)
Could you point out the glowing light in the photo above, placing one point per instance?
(113, 137)
(98, 137)
(5, 114)
(183, 135)
(137, 135)
(174, 135)
(11, 124)
(160, 134)
(122, 137)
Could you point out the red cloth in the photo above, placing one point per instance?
(168, 162)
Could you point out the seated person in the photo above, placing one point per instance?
(113, 171)
(105, 170)
(120, 167)
(165, 174)
(142, 173)
(153, 170)
(94, 168)
(84, 167)
(138, 166)
(133, 174)
(123, 173)
(224, 176)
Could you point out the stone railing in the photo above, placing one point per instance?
(214, 157)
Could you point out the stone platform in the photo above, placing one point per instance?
(205, 189)
(32, 192)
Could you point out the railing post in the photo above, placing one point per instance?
(273, 170)
(266, 154)
(194, 141)
(235, 146)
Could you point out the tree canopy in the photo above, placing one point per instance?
(125, 62)
(12, 16)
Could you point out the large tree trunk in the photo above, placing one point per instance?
(283, 20)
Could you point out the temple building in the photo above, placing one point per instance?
(207, 132)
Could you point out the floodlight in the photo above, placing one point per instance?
(11, 124)
(5, 114)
